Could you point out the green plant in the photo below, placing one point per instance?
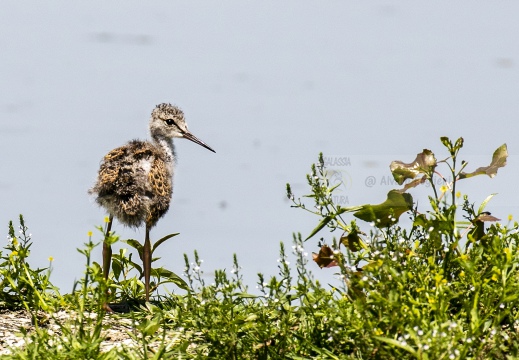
(444, 287)
(78, 337)
(126, 279)
(427, 291)
(20, 285)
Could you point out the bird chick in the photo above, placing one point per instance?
(135, 181)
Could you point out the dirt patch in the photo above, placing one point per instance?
(116, 330)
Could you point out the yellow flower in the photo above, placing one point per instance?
(14, 253)
(510, 217)
(438, 279)
(107, 219)
(51, 259)
(378, 332)
(458, 194)
(89, 234)
(495, 277)
(15, 241)
(462, 274)
(444, 188)
(463, 257)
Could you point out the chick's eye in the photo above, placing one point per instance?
(170, 122)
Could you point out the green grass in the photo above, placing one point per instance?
(446, 287)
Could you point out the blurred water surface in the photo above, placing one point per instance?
(268, 85)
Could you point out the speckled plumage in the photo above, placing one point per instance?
(134, 183)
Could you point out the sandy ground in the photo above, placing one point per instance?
(116, 330)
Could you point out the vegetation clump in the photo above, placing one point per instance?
(444, 287)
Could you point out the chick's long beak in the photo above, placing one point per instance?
(196, 140)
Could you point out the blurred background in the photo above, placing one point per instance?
(268, 85)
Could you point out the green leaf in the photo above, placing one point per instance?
(150, 327)
(498, 160)
(116, 268)
(459, 143)
(397, 343)
(424, 163)
(510, 298)
(485, 202)
(245, 295)
(389, 211)
(171, 277)
(136, 245)
(136, 266)
(446, 142)
(353, 241)
(325, 220)
(341, 210)
(111, 239)
(160, 241)
(420, 220)
(251, 317)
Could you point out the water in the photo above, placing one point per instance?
(268, 86)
